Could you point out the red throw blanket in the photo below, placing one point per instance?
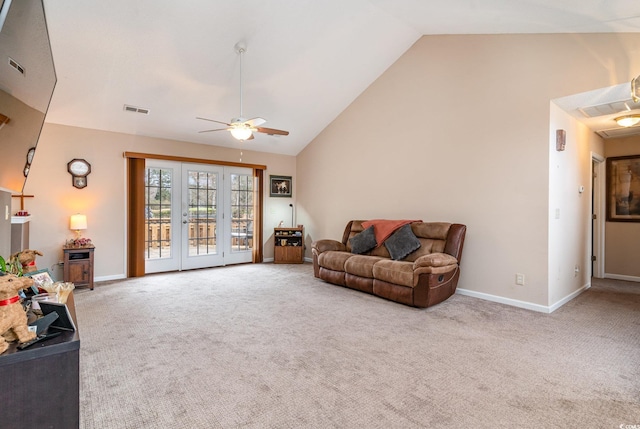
(383, 228)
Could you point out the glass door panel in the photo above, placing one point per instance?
(240, 190)
(201, 223)
(160, 254)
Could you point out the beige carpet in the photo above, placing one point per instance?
(269, 346)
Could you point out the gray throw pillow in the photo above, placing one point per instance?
(363, 241)
(402, 242)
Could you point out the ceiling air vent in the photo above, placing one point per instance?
(609, 108)
(619, 132)
(135, 109)
(13, 63)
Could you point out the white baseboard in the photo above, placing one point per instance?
(568, 298)
(271, 260)
(621, 277)
(108, 278)
(523, 304)
(503, 300)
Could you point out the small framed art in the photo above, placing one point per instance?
(40, 277)
(280, 186)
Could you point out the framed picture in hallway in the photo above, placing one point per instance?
(623, 189)
(280, 186)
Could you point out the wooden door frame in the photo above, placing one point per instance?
(136, 164)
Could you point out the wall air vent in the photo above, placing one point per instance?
(13, 63)
(135, 109)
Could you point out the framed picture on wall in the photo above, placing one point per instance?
(623, 189)
(280, 186)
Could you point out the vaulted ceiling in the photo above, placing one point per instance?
(306, 60)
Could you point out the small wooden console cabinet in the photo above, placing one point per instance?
(289, 245)
(41, 384)
(78, 265)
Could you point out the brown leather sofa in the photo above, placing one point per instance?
(425, 277)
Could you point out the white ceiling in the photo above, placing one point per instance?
(306, 60)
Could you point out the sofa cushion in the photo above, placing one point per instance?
(361, 265)
(435, 260)
(363, 241)
(432, 236)
(396, 272)
(402, 242)
(333, 260)
(385, 227)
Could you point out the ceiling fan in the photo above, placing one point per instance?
(241, 128)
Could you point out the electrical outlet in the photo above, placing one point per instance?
(576, 271)
(520, 279)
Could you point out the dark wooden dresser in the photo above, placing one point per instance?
(40, 385)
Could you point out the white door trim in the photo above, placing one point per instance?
(599, 210)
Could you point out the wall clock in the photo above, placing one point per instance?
(27, 165)
(79, 170)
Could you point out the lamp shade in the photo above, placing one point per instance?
(78, 222)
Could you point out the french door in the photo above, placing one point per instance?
(197, 215)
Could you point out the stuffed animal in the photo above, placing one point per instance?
(13, 318)
(27, 258)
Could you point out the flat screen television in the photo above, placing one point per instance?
(27, 80)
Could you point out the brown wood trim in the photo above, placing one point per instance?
(258, 249)
(195, 160)
(135, 223)
(136, 167)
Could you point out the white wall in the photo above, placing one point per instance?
(570, 209)
(104, 199)
(5, 224)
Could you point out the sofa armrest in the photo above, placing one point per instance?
(434, 260)
(326, 245)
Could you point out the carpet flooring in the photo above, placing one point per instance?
(270, 346)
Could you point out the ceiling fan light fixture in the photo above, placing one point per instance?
(241, 133)
(627, 120)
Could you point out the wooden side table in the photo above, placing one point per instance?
(78, 265)
(289, 246)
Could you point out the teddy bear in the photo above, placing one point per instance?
(27, 258)
(13, 318)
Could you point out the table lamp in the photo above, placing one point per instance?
(77, 223)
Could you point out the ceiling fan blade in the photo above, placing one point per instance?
(272, 131)
(217, 129)
(255, 122)
(213, 120)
